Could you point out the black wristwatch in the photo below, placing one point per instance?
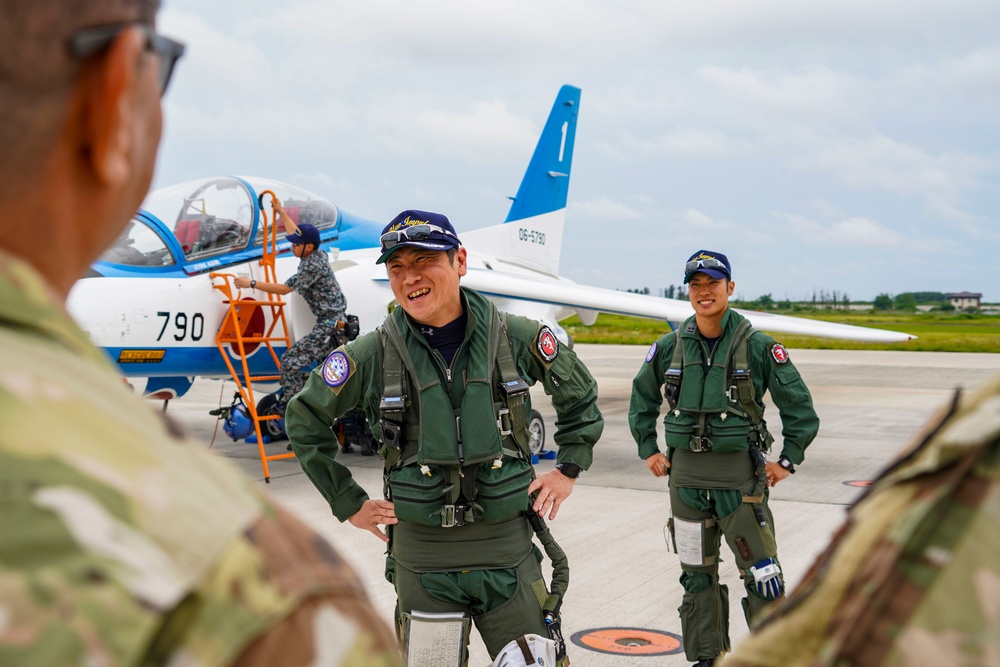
(571, 470)
(787, 464)
(253, 284)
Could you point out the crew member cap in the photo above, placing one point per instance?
(711, 263)
(307, 234)
(422, 229)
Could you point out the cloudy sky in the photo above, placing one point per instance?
(848, 145)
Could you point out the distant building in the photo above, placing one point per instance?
(965, 300)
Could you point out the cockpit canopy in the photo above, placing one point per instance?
(213, 217)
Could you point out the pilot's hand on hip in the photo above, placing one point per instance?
(658, 464)
(775, 473)
(373, 514)
(553, 488)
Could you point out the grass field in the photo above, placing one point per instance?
(936, 332)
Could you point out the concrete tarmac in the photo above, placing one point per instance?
(870, 404)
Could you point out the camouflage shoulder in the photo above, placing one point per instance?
(322, 601)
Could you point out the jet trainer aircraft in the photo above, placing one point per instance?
(149, 301)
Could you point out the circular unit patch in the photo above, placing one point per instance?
(651, 353)
(628, 641)
(779, 353)
(548, 346)
(336, 369)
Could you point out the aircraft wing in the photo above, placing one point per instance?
(564, 293)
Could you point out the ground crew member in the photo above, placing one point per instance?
(912, 578)
(316, 283)
(445, 378)
(121, 542)
(714, 371)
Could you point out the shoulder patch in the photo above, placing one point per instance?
(337, 368)
(548, 346)
(779, 353)
(652, 353)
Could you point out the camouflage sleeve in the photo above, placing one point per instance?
(310, 270)
(333, 623)
(799, 421)
(540, 357)
(647, 399)
(912, 576)
(332, 389)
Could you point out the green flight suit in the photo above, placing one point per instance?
(719, 488)
(479, 566)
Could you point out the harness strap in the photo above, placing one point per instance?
(741, 391)
(514, 388)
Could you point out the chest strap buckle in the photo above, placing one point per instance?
(504, 423)
(700, 443)
(455, 515)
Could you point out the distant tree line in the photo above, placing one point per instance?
(908, 301)
(668, 292)
(826, 299)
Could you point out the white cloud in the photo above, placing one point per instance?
(855, 232)
(604, 208)
(881, 163)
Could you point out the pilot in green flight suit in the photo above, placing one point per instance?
(445, 378)
(717, 441)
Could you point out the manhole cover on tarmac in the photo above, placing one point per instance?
(628, 641)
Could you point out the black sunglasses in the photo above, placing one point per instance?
(89, 41)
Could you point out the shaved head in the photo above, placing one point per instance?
(37, 72)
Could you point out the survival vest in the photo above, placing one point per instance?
(446, 465)
(712, 410)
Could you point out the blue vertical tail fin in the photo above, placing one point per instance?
(545, 185)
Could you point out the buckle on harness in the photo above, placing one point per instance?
(700, 443)
(392, 430)
(672, 385)
(454, 515)
(514, 387)
(504, 425)
(741, 376)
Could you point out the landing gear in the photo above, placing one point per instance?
(274, 428)
(536, 433)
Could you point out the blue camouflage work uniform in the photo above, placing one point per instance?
(315, 283)
(122, 543)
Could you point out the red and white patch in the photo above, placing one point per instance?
(548, 346)
(779, 353)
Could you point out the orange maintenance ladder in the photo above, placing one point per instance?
(236, 332)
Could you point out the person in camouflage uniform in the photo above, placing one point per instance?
(121, 542)
(912, 578)
(315, 283)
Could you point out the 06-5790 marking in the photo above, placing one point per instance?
(531, 236)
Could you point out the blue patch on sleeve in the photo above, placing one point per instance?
(336, 368)
(651, 354)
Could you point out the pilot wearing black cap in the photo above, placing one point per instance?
(713, 372)
(446, 380)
